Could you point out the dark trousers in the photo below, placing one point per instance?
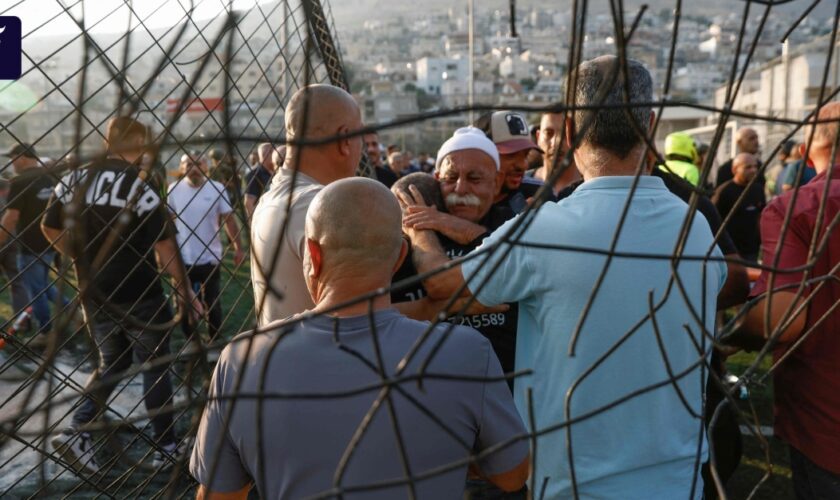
(18, 290)
(726, 434)
(810, 481)
(120, 345)
(35, 273)
(205, 282)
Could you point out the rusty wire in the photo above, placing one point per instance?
(311, 54)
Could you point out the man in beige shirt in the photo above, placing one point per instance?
(277, 229)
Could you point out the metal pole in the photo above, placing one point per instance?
(513, 19)
(471, 44)
(786, 67)
(284, 41)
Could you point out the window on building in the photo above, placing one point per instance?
(812, 95)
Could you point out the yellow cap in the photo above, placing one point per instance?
(680, 143)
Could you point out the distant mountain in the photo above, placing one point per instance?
(351, 14)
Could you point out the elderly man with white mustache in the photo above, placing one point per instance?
(469, 176)
(467, 171)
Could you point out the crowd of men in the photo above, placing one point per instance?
(579, 277)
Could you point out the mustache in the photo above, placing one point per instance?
(469, 200)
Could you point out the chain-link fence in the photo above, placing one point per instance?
(98, 338)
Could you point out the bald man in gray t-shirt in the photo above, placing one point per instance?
(304, 439)
(286, 403)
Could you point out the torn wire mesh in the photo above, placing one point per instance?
(216, 88)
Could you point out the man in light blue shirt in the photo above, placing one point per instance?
(608, 371)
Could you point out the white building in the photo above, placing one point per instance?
(432, 72)
(516, 66)
(785, 87)
(458, 45)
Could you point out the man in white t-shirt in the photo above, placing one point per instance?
(200, 207)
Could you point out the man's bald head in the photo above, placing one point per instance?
(744, 159)
(747, 140)
(358, 225)
(319, 112)
(824, 137)
(397, 162)
(425, 183)
(744, 168)
(264, 151)
(825, 133)
(326, 107)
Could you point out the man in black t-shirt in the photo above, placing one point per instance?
(468, 174)
(29, 191)
(551, 140)
(384, 174)
(498, 327)
(111, 222)
(743, 223)
(258, 179)
(223, 169)
(8, 263)
(746, 141)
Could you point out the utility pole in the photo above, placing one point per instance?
(471, 49)
(284, 42)
(786, 71)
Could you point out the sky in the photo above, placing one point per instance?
(110, 16)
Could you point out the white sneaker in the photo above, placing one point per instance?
(164, 461)
(76, 449)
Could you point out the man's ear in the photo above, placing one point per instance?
(802, 149)
(344, 144)
(403, 254)
(652, 160)
(569, 130)
(315, 257)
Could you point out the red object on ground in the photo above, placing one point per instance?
(19, 321)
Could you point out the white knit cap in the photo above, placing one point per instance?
(468, 138)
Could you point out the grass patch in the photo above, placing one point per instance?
(122, 480)
(760, 455)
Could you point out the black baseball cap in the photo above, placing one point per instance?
(21, 149)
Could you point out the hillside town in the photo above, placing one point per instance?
(404, 66)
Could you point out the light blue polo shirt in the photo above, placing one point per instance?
(646, 446)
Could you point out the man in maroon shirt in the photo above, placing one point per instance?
(807, 382)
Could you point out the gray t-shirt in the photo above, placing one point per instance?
(304, 438)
